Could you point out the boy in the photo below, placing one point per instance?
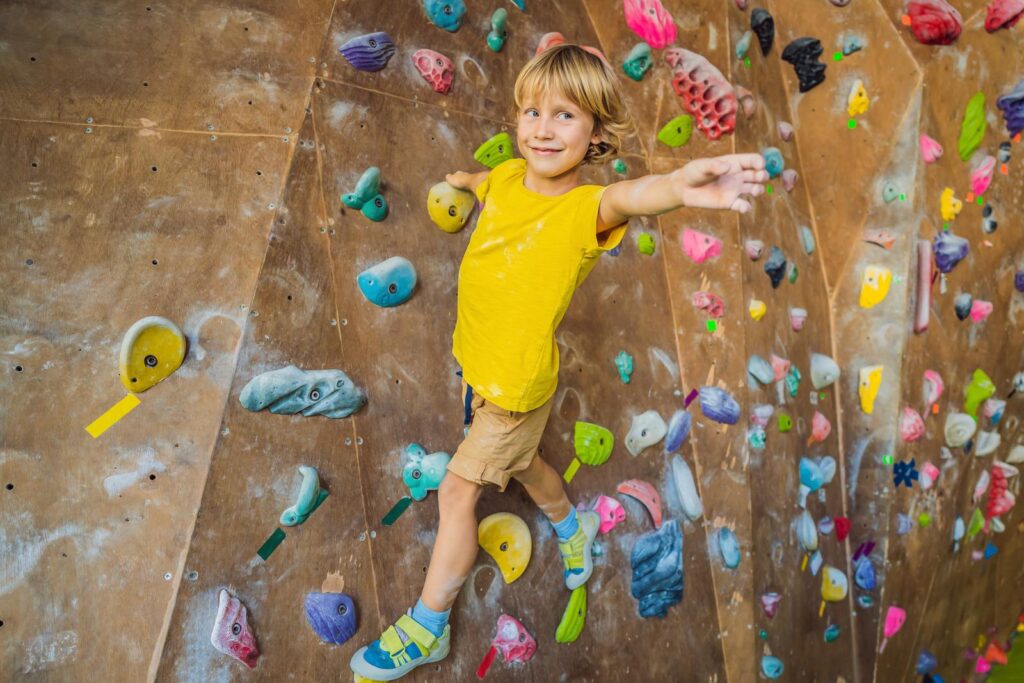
(538, 236)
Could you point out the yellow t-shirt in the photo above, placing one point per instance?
(527, 256)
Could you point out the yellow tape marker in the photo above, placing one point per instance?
(571, 470)
(115, 413)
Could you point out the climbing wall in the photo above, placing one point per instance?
(187, 160)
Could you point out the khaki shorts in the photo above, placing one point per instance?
(500, 442)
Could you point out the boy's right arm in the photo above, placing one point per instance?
(466, 181)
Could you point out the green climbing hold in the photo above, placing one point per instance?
(676, 132)
(785, 423)
(638, 61)
(620, 167)
(624, 364)
(593, 443)
(976, 524)
(367, 197)
(890, 193)
(494, 151)
(309, 499)
(645, 244)
(793, 273)
(924, 520)
(496, 38)
(832, 633)
(977, 392)
(763, 634)
(571, 626)
(793, 381)
(972, 130)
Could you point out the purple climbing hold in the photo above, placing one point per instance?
(678, 430)
(370, 52)
(718, 405)
(949, 251)
(657, 561)
(775, 266)
(1012, 105)
(803, 54)
(1018, 280)
(332, 616)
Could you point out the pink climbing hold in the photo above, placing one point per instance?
(646, 494)
(746, 100)
(911, 424)
(1003, 14)
(980, 310)
(785, 131)
(932, 389)
(1000, 500)
(231, 634)
(436, 69)
(741, 4)
(931, 150)
(929, 475)
(705, 92)
(981, 175)
(754, 249)
(820, 428)
(700, 246)
(651, 21)
(894, 618)
(797, 318)
(934, 22)
(780, 367)
(789, 177)
(513, 640)
(711, 304)
(610, 511)
(770, 604)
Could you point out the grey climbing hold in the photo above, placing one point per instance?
(646, 430)
(824, 371)
(289, 390)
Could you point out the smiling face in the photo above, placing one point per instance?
(553, 134)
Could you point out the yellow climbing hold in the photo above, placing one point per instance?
(857, 103)
(152, 349)
(757, 309)
(507, 539)
(834, 586)
(571, 626)
(950, 205)
(874, 285)
(449, 207)
(870, 382)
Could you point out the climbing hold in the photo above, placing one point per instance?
(857, 102)
(993, 409)
(677, 132)
(678, 429)
(785, 131)
(826, 525)
(422, 472)
(446, 14)
(922, 310)
(309, 499)
(785, 422)
(807, 532)
(449, 207)
(686, 489)
(834, 585)
(797, 317)
(929, 475)
(980, 310)
(1016, 455)
(651, 21)
(820, 428)
(793, 272)
(775, 266)
(646, 430)
(894, 618)
(763, 25)
(864, 574)
(981, 175)
(289, 390)
(638, 62)
(930, 149)
(624, 364)
(934, 22)
(332, 616)
(646, 494)
(851, 45)
(977, 391)
(962, 305)
(890, 193)
(496, 38)
(369, 52)
(1004, 149)
(881, 238)
(824, 371)
(771, 667)
(789, 178)
(911, 424)
(574, 617)
(759, 370)
(986, 443)
(657, 562)
(151, 350)
(593, 443)
(842, 528)
(780, 366)
(231, 633)
(389, 283)
(832, 633)
(927, 663)
(506, 538)
(436, 69)
(711, 304)
(718, 405)
(803, 54)
(972, 130)
(513, 641)
(548, 41)
(793, 381)
(959, 429)
(494, 151)
(874, 285)
(811, 477)
(773, 161)
(949, 251)
(367, 197)
(700, 246)
(645, 244)
(729, 546)
(754, 249)
(757, 309)
(1012, 106)
(620, 167)
(988, 224)
(610, 511)
(743, 44)
(807, 239)
(949, 205)
(868, 386)
(705, 92)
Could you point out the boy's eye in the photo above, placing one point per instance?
(566, 114)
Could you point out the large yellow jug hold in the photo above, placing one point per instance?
(834, 586)
(870, 381)
(449, 207)
(874, 285)
(152, 349)
(507, 539)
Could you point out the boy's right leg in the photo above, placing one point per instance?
(424, 635)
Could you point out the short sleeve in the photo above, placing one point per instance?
(483, 188)
(590, 207)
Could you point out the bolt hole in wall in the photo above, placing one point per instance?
(18, 368)
(155, 262)
(10, 487)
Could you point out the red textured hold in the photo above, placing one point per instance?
(842, 528)
(934, 22)
(706, 95)
(1003, 14)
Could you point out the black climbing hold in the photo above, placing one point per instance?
(775, 266)
(803, 54)
(962, 305)
(762, 24)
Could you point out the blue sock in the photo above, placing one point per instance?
(429, 619)
(567, 527)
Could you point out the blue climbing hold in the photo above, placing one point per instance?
(657, 561)
(729, 546)
(389, 283)
(446, 14)
(773, 161)
(771, 667)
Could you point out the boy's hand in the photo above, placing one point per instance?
(461, 180)
(721, 182)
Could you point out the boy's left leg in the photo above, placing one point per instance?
(576, 533)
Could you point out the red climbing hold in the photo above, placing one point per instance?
(705, 92)
(934, 22)
(1003, 14)
(842, 528)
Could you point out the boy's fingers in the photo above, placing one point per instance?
(741, 205)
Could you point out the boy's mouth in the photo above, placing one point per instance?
(545, 150)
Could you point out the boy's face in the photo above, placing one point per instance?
(553, 134)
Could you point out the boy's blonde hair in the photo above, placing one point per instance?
(587, 81)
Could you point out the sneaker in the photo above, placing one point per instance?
(579, 565)
(402, 647)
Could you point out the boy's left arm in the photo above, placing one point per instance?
(714, 183)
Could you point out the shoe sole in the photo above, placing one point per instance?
(574, 581)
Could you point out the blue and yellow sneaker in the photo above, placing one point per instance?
(576, 559)
(401, 648)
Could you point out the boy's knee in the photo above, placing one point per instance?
(456, 493)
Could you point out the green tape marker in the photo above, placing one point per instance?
(270, 545)
(396, 512)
